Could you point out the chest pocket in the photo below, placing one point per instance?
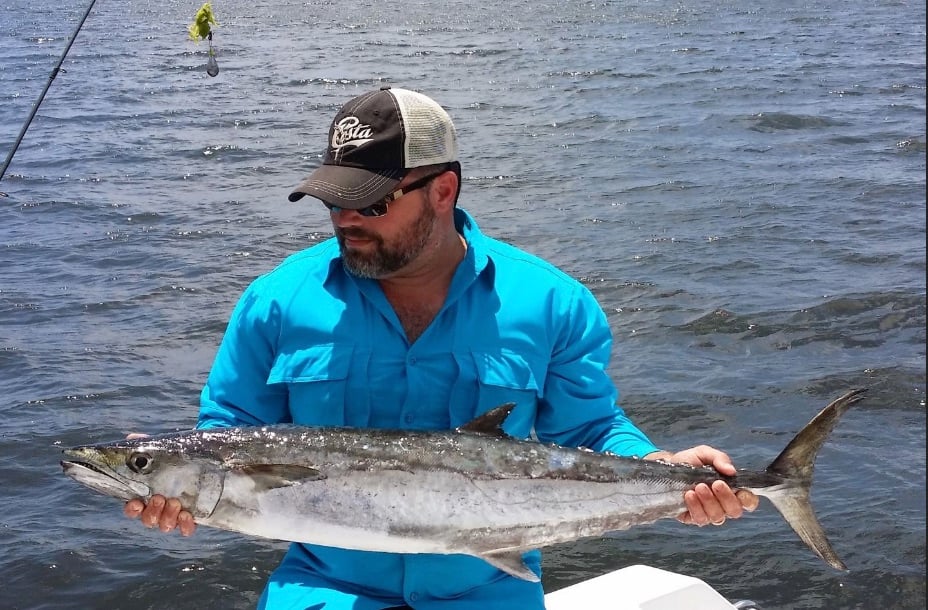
(501, 377)
(317, 380)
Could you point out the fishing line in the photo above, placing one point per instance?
(35, 107)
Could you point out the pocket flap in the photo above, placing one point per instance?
(316, 363)
(505, 369)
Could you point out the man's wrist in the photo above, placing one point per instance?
(659, 455)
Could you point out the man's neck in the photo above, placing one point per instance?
(418, 294)
(431, 273)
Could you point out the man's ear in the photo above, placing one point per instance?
(445, 190)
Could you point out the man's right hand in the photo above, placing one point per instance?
(166, 513)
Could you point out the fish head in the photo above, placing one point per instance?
(141, 468)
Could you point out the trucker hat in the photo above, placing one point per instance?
(374, 140)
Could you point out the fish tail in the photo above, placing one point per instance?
(795, 464)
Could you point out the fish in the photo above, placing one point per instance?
(472, 490)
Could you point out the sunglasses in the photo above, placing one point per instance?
(381, 207)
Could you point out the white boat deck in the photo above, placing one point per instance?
(640, 587)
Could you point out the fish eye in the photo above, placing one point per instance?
(140, 463)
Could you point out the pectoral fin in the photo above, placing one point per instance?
(511, 563)
(272, 476)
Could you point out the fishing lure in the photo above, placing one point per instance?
(201, 29)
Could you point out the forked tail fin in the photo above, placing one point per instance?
(795, 464)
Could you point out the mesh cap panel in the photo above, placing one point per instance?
(430, 134)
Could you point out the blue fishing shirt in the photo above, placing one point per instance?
(311, 344)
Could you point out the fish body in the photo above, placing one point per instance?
(473, 490)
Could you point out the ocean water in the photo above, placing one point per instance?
(741, 185)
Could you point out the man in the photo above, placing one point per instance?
(412, 318)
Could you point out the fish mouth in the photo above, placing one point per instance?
(67, 465)
(104, 481)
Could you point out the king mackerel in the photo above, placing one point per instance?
(472, 490)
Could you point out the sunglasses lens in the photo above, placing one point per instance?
(377, 209)
(373, 210)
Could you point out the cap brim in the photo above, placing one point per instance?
(348, 187)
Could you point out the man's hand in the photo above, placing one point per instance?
(165, 513)
(709, 504)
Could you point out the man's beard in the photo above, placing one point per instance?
(387, 259)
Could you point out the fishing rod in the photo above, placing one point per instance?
(199, 29)
(35, 107)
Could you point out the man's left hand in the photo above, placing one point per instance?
(710, 504)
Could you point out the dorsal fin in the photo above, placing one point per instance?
(491, 422)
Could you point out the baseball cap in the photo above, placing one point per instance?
(374, 140)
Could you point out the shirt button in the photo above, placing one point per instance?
(409, 419)
(413, 596)
(412, 360)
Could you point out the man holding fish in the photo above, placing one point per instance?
(411, 318)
